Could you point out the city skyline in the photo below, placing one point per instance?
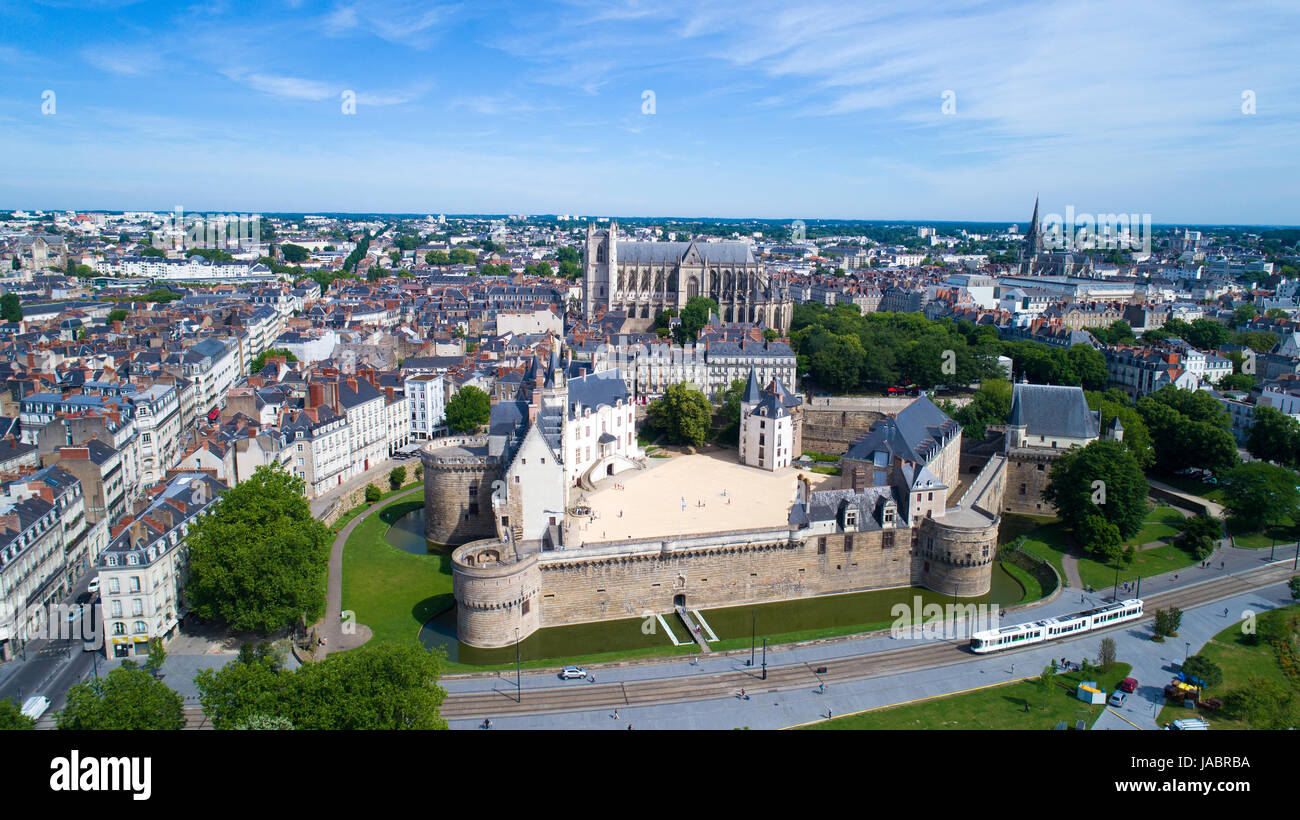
(759, 111)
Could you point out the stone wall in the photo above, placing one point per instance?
(1028, 469)
(717, 570)
(832, 431)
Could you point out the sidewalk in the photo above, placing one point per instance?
(330, 627)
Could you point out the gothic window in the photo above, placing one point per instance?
(887, 540)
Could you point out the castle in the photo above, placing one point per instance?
(642, 279)
(548, 547)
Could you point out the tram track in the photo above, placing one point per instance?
(505, 700)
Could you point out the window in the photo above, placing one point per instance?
(821, 545)
(887, 539)
(135, 583)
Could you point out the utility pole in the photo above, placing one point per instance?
(765, 659)
(519, 685)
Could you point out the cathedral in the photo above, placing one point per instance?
(1036, 261)
(642, 279)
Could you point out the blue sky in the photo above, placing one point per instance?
(762, 109)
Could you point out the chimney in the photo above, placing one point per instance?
(315, 394)
(389, 392)
(352, 384)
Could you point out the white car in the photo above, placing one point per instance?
(93, 587)
(571, 672)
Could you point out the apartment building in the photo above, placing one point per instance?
(142, 571)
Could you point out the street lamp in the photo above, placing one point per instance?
(764, 659)
(519, 684)
(1188, 651)
(753, 632)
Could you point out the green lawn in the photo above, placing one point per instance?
(1239, 660)
(342, 520)
(393, 591)
(994, 707)
(1264, 539)
(1161, 524)
(825, 470)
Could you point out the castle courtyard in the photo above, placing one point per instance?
(721, 494)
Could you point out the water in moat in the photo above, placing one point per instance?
(407, 533)
(784, 621)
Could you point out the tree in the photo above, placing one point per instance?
(397, 478)
(468, 410)
(127, 698)
(838, 365)
(12, 717)
(1106, 655)
(118, 315)
(436, 257)
(682, 414)
(377, 686)
(991, 404)
(157, 657)
(1137, 438)
(266, 722)
(373, 494)
(1089, 366)
(1044, 682)
(11, 308)
(260, 361)
(258, 560)
(1274, 436)
(461, 256)
(1175, 616)
(730, 413)
(1259, 494)
(1204, 670)
(1099, 537)
(1263, 704)
(694, 317)
(1161, 625)
(1120, 498)
(1200, 535)
(1294, 586)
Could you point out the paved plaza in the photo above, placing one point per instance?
(720, 493)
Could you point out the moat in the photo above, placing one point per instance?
(779, 622)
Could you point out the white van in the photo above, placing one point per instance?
(34, 707)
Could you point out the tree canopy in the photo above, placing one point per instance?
(377, 686)
(128, 697)
(468, 410)
(260, 361)
(1120, 499)
(258, 560)
(682, 414)
(1259, 494)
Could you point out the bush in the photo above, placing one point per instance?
(373, 494)
(397, 477)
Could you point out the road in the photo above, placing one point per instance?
(501, 699)
(51, 666)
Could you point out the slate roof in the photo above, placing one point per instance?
(672, 253)
(1052, 410)
(595, 389)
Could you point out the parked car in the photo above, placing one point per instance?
(1128, 685)
(571, 672)
(1117, 699)
(93, 586)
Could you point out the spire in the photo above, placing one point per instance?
(752, 394)
(1034, 238)
(1017, 415)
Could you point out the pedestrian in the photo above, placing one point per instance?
(821, 688)
(1225, 612)
(828, 713)
(1220, 565)
(487, 723)
(615, 715)
(629, 726)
